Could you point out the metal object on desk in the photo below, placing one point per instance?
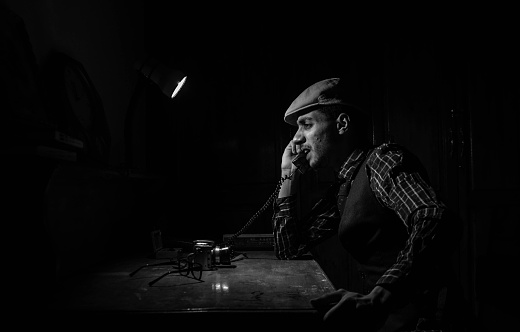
(222, 255)
(208, 255)
(202, 252)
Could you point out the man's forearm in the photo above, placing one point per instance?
(289, 185)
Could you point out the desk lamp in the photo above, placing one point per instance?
(169, 80)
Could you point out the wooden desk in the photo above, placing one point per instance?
(259, 288)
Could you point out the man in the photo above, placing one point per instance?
(382, 208)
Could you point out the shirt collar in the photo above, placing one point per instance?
(350, 165)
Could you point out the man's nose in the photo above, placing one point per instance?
(298, 138)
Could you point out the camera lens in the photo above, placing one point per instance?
(222, 255)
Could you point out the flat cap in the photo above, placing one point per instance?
(331, 91)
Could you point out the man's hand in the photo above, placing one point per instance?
(291, 150)
(355, 311)
(290, 186)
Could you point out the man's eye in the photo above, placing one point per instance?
(307, 125)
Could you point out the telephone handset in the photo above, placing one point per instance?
(301, 165)
(301, 162)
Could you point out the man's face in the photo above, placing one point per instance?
(318, 135)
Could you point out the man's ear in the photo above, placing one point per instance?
(342, 123)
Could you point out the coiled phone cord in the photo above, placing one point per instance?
(269, 201)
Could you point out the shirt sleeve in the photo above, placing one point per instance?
(399, 183)
(294, 238)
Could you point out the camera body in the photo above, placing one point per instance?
(209, 255)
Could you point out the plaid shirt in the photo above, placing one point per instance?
(397, 185)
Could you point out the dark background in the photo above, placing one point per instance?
(441, 81)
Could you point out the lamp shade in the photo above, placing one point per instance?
(169, 80)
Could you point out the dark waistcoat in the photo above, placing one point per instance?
(374, 235)
(371, 233)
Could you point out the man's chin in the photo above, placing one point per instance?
(315, 164)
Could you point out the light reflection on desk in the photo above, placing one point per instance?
(220, 287)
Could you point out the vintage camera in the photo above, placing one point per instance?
(209, 255)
